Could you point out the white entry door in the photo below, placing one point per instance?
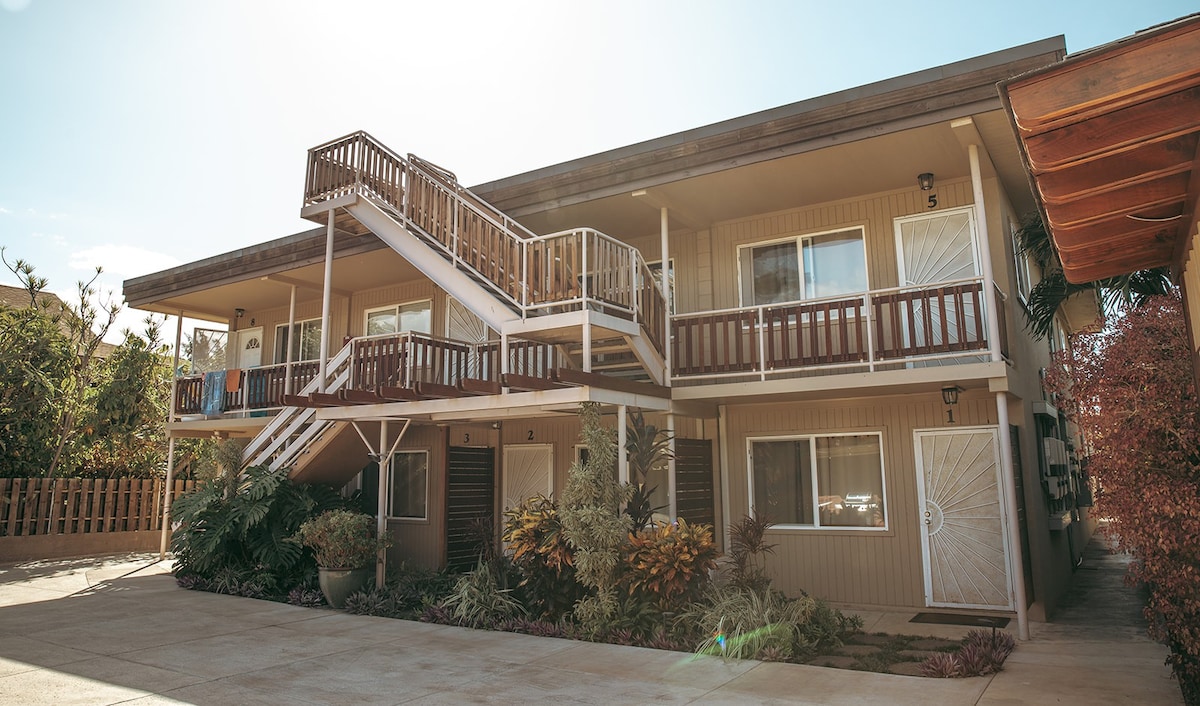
(249, 348)
(965, 546)
(528, 471)
(933, 248)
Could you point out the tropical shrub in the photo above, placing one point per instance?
(407, 594)
(242, 540)
(592, 522)
(670, 562)
(342, 539)
(478, 601)
(748, 552)
(1130, 389)
(981, 653)
(648, 449)
(539, 550)
(746, 624)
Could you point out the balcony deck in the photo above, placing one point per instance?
(910, 332)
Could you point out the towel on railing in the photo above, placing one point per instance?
(233, 380)
(214, 393)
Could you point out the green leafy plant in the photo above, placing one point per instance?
(592, 522)
(748, 552)
(539, 549)
(342, 539)
(250, 530)
(477, 601)
(648, 450)
(742, 624)
(670, 562)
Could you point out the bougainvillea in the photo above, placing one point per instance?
(1130, 389)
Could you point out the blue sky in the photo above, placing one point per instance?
(140, 134)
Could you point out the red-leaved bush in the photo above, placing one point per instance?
(1129, 387)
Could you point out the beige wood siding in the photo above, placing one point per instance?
(852, 566)
(873, 213)
(423, 542)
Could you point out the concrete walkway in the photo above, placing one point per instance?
(117, 630)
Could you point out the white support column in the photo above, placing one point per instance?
(622, 451)
(722, 439)
(664, 236)
(587, 345)
(326, 291)
(385, 465)
(672, 502)
(985, 254)
(170, 479)
(1016, 563)
(291, 343)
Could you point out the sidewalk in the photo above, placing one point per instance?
(117, 630)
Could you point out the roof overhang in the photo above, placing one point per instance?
(1109, 139)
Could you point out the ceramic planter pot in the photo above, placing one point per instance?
(338, 584)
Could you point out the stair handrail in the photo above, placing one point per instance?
(266, 435)
(359, 152)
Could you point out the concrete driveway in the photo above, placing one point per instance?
(118, 630)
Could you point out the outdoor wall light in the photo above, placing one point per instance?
(950, 397)
(925, 180)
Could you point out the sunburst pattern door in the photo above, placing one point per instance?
(527, 472)
(463, 325)
(965, 546)
(938, 247)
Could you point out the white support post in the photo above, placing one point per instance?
(672, 503)
(985, 255)
(291, 343)
(587, 345)
(167, 483)
(664, 236)
(385, 464)
(722, 440)
(170, 479)
(622, 451)
(326, 292)
(1016, 563)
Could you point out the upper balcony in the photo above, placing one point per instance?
(890, 329)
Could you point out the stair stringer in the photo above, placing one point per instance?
(480, 300)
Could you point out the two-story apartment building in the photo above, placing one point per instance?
(821, 301)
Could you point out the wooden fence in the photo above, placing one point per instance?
(66, 506)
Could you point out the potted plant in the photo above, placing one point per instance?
(346, 548)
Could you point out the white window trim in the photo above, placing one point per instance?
(816, 512)
(395, 308)
(391, 482)
(798, 238)
(300, 323)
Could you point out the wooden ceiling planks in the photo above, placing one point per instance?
(1110, 138)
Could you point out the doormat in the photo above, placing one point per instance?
(982, 621)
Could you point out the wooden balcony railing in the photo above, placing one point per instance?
(256, 388)
(573, 270)
(901, 324)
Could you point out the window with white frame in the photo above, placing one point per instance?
(827, 481)
(1023, 263)
(307, 341)
(413, 316)
(803, 267)
(408, 499)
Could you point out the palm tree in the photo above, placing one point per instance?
(1045, 298)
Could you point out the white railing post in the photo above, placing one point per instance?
(762, 342)
(870, 334)
(583, 237)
